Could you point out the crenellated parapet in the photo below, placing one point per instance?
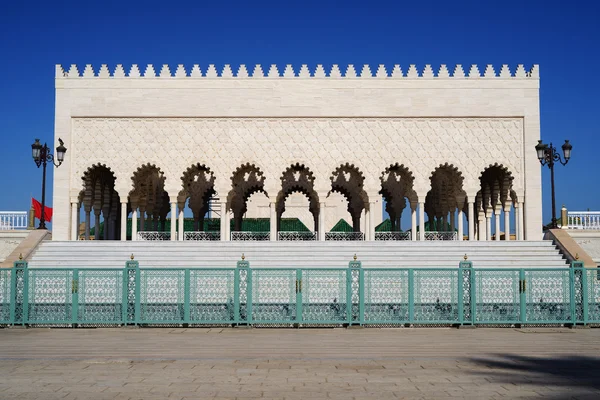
(381, 72)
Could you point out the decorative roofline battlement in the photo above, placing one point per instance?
(289, 72)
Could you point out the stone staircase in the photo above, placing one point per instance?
(114, 254)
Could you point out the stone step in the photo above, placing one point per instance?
(112, 254)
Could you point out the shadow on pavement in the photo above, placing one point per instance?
(571, 376)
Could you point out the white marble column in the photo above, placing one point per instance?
(521, 222)
(88, 223)
(322, 221)
(227, 225)
(371, 220)
(272, 222)
(471, 211)
(124, 220)
(366, 224)
(74, 225)
(481, 228)
(222, 206)
(460, 225)
(134, 222)
(413, 217)
(181, 223)
(488, 225)
(97, 224)
(507, 221)
(173, 220)
(422, 220)
(497, 212)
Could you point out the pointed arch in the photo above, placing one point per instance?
(348, 180)
(99, 195)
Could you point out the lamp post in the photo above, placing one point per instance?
(41, 155)
(548, 155)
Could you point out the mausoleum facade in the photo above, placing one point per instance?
(453, 151)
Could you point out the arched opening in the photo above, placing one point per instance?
(150, 198)
(297, 205)
(198, 191)
(348, 180)
(445, 198)
(100, 198)
(246, 181)
(398, 192)
(495, 204)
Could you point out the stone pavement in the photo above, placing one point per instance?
(425, 363)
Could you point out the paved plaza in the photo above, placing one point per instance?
(424, 363)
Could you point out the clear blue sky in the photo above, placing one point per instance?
(563, 37)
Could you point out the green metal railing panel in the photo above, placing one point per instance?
(162, 293)
(99, 296)
(50, 296)
(593, 295)
(274, 296)
(436, 296)
(324, 295)
(547, 296)
(497, 296)
(211, 295)
(386, 296)
(5, 295)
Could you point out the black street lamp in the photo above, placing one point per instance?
(548, 155)
(41, 155)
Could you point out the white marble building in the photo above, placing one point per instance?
(454, 148)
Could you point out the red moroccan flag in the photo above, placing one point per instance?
(37, 207)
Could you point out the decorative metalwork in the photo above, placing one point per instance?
(432, 235)
(132, 283)
(5, 294)
(152, 235)
(436, 296)
(344, 236)
(467, 298)
(50, 296)
(211, 295)
(547, 296)
(386, 296)
(100, 296)
(578, 295)
(324, 295)
(161, 295)
(355, 300)
(296, 236)
(212, 235)
(250, 236)
(392, 236)
(498, 296)
(274, 295)
(593, 294)
(242, 297)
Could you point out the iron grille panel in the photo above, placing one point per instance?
(497, 296)
(547, 296)
(386, 296)
(5, 294)
(436, 296)
(274, 296)
(324, 296)
(100, 296)
(212, 295)
(50, 298)
(161, 295)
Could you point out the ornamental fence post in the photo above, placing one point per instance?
(355, 296)
(579, 294)
(19, 289)
(243, 293)
(466, 292)
(131, 295)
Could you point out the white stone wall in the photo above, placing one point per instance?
(371, 122)
(9, 240)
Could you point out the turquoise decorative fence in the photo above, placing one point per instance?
(303, 296)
